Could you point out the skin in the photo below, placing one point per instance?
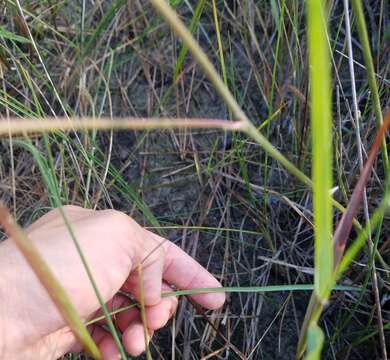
(30, 324)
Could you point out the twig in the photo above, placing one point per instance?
(142, 311)
(17, 126)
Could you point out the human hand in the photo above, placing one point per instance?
(31, 327)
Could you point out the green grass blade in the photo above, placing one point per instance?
(254, 289)
(315, 341)
(321, 126)
(231, 289)
(183, 51)
(35, 46)
(359, 242)
(365, 44)
(47, 175)
(219, 41)
(11, 36)
(100, 27)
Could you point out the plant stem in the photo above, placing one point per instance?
(371, 247)
(364, 41)
(17, 126)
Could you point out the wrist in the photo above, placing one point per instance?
(3, 301)
(8, 332)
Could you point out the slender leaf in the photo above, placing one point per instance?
(315, 341)
(11, 36)
(365, 43)
(321, 143)
(345, 225)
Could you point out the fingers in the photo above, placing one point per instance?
(157, 315)
(132, 328)
(133, 338)
(151, 269)
(185, 273)
(151, 277)
(105, 343)
(173, 265)
(164, 260)
(130, 324)
(117, 302)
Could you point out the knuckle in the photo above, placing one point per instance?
(69, 208)
(119, 219)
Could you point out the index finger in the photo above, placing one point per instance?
(185, 273)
